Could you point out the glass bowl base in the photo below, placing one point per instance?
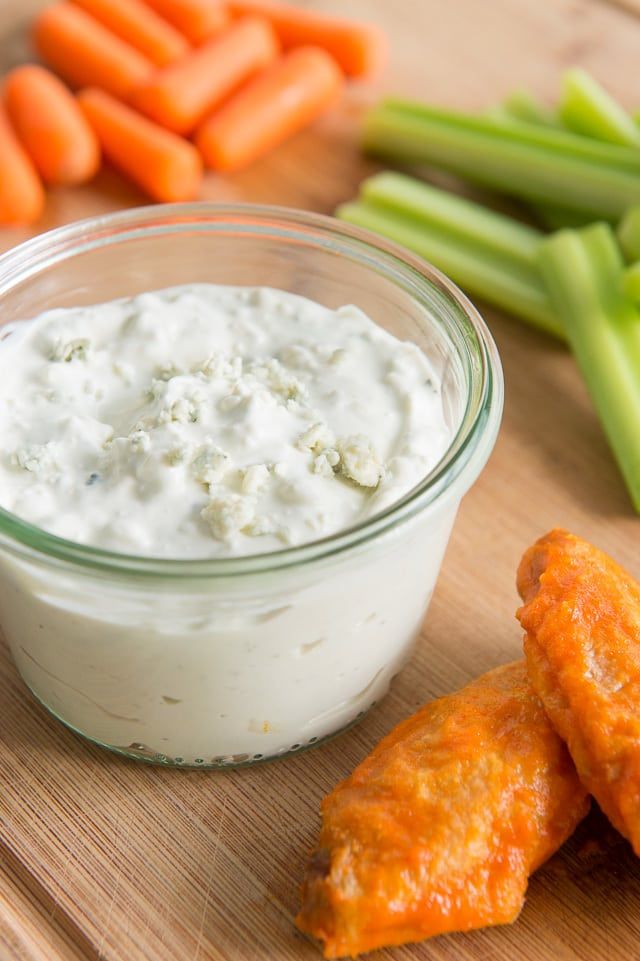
(140, 752)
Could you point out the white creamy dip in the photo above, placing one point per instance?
(203, 422)
(206, 421)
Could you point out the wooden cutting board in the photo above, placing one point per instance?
(101, 858)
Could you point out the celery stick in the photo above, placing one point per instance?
(555, 140)
(631, 282)
(521, 105)
(556, 218)
(583, 272)
(629, 234)
(439, 208)
(500, 280)
(587, 108)
(514, 166)
(498, 111)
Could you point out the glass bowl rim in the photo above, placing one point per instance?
(45, 250)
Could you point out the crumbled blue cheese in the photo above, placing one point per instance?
(38, 459)
(178, 454)
(254, 478)
(209, 463)
(140, 441)
(210, 421)
(358, 460)
(316, 438)
(228, 514)
(326, 462)
(73, 350)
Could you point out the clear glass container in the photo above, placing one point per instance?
(229, 661)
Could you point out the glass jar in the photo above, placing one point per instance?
(229, 661)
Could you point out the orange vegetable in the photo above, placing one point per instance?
(21, 191)
(359, 48)
(182, 95)
(198, 20)
(51, 126)
(84, 52)
(279, 102)
(139, 26)
(162, 164)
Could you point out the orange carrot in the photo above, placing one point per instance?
(162, 164)
(198, 20)
(139, 26)
(51, 126)
(84, 52)
(21, 191)
(279, 102)
(359, 48)
(182, 95)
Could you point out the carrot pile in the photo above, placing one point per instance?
(163, 88)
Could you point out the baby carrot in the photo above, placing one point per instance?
(21, 192)
(359, 48)
(182, 95)
(197, 20)
(84, 52)
(51, 126)
(162, 164)
(139, 26)
(279, 102)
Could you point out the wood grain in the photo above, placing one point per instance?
(107, 859)
(631, 6)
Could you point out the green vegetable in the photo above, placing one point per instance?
(498, 111)
(536, 163)
(631, 282)
(555, 217)
(588, 109)
(583, 271)
(629, 234)
(556, 140)
(435, 207)
(475, 264)
(521, 105)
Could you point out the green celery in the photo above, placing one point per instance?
(629, 234)
(498, 112)
(555, 139)
(440, 208)
(583, 271)
(555, 217)
(631, 282)
(514, 157)
(587, 108)
(503, 281)
(521, 105)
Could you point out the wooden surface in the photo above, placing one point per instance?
(102, 858)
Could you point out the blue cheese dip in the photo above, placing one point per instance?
(209, 421)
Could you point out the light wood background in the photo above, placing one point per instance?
(105, 859)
